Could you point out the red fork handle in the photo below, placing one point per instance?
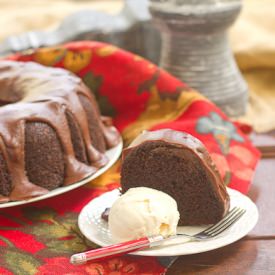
(116, 249)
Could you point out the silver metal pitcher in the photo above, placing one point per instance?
(195, 48)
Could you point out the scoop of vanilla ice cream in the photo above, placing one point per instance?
(143, 212)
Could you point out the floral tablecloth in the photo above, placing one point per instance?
(39, 238)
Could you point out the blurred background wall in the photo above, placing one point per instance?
(18, 16)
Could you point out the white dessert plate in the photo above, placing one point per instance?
(113, 155)
(96, 229)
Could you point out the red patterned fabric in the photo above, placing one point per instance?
(39, 238)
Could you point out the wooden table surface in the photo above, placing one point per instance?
(255, 253)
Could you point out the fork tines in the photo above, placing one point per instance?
(232, 216)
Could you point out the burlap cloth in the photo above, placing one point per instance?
(252, 39)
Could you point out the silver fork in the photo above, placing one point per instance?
(216, 229)
(147, 242)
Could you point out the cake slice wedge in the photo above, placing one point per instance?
(178, 164)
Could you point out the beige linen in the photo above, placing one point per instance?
(253, 42)
(18, 16)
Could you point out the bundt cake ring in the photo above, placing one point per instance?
(51, 131)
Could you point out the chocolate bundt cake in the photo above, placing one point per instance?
(51, 132)
(179, 165)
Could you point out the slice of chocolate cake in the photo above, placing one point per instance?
(179, 165)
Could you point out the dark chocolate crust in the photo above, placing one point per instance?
(5, 179)
(49, 135)
(96, 134)
(77, 139)
(44, 161)
(179, 165)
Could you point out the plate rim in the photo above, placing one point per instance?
(149, 252)
(113, 154)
